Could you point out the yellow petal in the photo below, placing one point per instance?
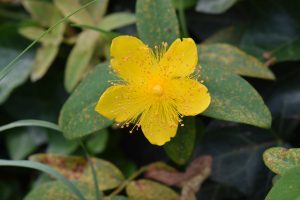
(120, 102)
(190, 96)
(131, 58)
(159, 124)
(180, 59)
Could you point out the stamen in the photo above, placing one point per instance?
(159, 51)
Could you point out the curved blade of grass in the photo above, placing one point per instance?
(110, 34)
(95, 179)
(43, 168)
(10, 65)
(30, 122)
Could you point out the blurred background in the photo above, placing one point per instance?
(42, 80)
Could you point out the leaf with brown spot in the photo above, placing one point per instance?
(233, 59)
(57, 190)
(82, 102)
(233, 98)
(149, 190)
(78, 169)
(280, 160)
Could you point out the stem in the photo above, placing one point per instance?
(126, 182)
(182, 20)
(95, 179)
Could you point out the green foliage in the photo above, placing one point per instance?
(78, 169)
(46, 169)
(57, 190)
(149, 190)
(234, 60)
(287, 186)
(227, 103)
(265, 36)
(9, 49)
(78, 116)
(237, 155)
(185, 4)
(237, 42)
(156, 22)
(281, 160)
(288, 52)
(46, 15)
(29, 122)
(181, 147)
(81, 56)
(214, 6)
(97, 142)
(58, 144)
(22, 142)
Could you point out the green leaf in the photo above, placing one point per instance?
(10, 46)
(47, 15)
(30, 122)
(79, 58)
(234, 60)
(78, 116)
(181, 147)
(68, 6)
(56, 25)
(56, 190)
(18, 75)
(280, 160)
(107, 34)
(149, 190)
(78, 169)
(185, 4)
(287, 186)
(98, 10)
(97, 142)
(156, 21)
(120, 198)
(60, 145)
(44, 58)
(289, 51)
(22, 142)
(231, 35)
(33, 33)
(81, 55)
(117, 20)
(42, 11)
(214, 6)
(233, 98)
(46, 169)
(237, 155)
(265, 36)
(9, 189)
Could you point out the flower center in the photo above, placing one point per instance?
(157, 90)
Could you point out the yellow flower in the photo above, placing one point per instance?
(156, 88)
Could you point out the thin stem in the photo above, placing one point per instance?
(10, 65)
(95, 179)
(126, 182)
(182, 20)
